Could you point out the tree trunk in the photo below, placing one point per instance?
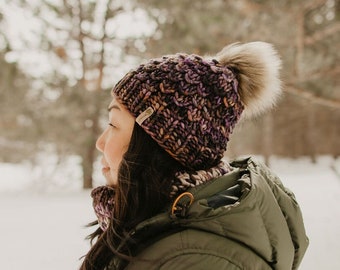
(267, 138)
(87, 166)
(89, 154)
(310, 140)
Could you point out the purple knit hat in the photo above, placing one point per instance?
(190, 105)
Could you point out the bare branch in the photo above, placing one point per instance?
(329, 72)
(81, 45)
(335, 104)
(313, 5)
(300, 33)
(250, 7)
(320, 35)
(100, 65)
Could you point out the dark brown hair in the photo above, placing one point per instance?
(144, 186)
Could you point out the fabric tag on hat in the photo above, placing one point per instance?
(144, 115)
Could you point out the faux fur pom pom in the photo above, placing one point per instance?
(257, 65)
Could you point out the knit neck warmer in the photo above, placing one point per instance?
(103, 204)
(183, 180)
(103, 196)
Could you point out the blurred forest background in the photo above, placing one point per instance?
(60, 58)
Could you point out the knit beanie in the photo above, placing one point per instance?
(190, 104)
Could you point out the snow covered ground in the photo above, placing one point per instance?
(45, 230)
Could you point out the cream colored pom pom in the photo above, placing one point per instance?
(257, 65)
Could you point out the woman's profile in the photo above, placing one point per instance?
(171, 201)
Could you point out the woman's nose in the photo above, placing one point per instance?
(101, 142)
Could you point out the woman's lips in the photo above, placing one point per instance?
(105, 170)
(105, 166)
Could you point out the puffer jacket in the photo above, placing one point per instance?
(245, 219)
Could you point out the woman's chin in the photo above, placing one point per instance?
(110, 181)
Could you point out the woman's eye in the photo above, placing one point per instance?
(112, 125)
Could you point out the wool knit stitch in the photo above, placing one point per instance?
(187, 104)
(103, 204)
(103, 196)
(183, 180)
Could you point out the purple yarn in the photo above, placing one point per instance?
(195, 102)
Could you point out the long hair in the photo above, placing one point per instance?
(143, 190)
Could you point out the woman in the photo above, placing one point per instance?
(170, 201)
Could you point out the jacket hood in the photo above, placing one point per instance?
(249, 205)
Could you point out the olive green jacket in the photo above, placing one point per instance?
(245, 219)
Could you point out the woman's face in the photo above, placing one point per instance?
(114, 141)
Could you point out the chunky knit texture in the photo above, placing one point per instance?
(184, 180)
(187, 104)
(103, 204)
(104, 196)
